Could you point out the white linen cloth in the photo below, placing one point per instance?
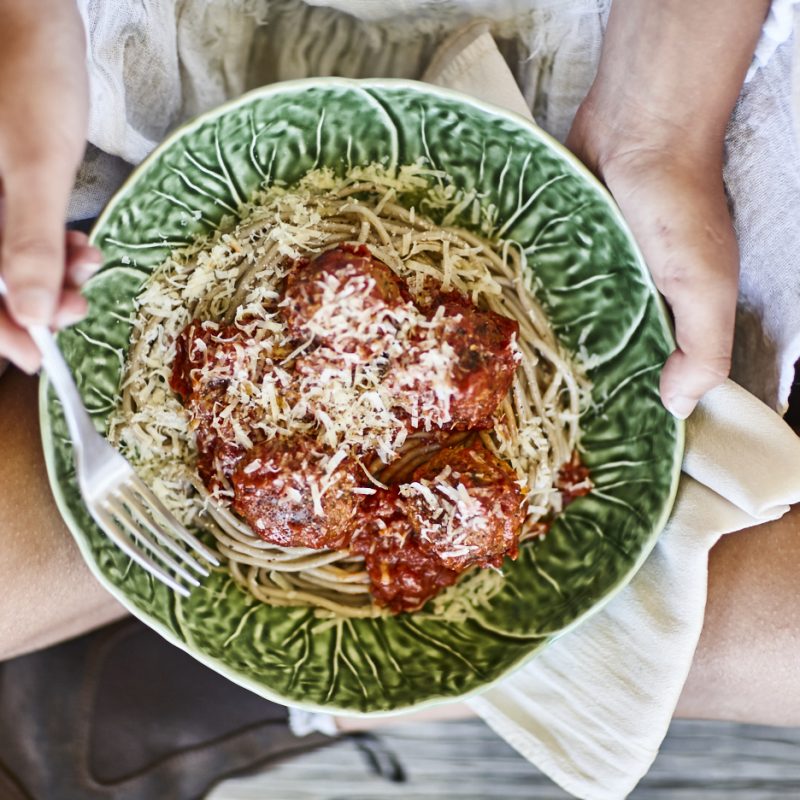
(592, 710)
(762, 176)
(777, 29)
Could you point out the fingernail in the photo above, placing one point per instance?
(29, 366)
(32, 305)
(28, 361)
(680, 406)
(64, 319)
(84, 270)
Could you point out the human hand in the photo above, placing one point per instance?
(674, 201)
(652, 128)
(43, 118)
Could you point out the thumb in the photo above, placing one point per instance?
(679, 215)
(32, 253)
(704, 320)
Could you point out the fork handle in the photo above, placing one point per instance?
(81, 427)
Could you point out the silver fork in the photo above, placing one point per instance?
(119, 501)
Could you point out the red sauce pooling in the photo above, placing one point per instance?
(573, 480)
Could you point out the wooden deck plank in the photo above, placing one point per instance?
(464, 760)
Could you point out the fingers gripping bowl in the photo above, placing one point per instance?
(504, 184)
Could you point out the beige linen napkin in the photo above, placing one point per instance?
(592, 710)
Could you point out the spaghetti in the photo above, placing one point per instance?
(235, 279)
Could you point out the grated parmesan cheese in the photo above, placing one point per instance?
(252, 467)
(237, 277)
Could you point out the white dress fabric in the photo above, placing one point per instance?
(154, 63)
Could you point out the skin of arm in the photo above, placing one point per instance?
(652, 128)
(43, 118)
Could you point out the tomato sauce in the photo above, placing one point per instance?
(573, 480)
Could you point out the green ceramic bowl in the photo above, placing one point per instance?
(590, 278)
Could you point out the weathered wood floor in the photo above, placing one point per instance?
(465, 760)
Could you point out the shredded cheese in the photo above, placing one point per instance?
(236, 277)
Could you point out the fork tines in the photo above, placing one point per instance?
(134, 518)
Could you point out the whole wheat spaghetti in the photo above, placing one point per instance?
(235, 277)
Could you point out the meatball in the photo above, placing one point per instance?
(456, 369)
(217, 458)
(403, 576)
(346, 300)
(206, 357)
(210, 363)
(205, 354)
(485, 345)
(466, 507)
(290, 496)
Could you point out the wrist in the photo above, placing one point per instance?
(613, 131)
(668, 78)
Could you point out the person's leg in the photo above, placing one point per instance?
(746, 665)
(48, 594)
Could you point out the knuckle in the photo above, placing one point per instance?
(29, 248)
(718, 367)
(709, 370)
